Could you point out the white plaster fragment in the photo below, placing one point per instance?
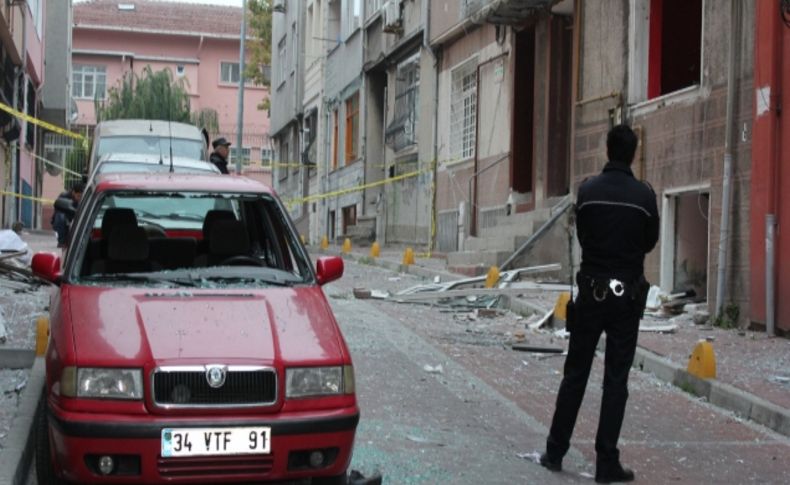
(763, 100)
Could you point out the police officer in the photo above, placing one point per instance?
(65, 209)
(220, 155)
(617, 225)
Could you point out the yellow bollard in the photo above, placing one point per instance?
(301, 236)
(703, 361)
(347, 246)
(492, 277)
(324, 243)
(42, 335)
(408, 257)
(561, 307)
(375, 250)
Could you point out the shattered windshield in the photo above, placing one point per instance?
(180, 239)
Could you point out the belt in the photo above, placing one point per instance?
(602, 286)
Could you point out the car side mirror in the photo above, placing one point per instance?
(46, 266)
(328, 268)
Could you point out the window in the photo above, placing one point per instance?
(373, 7)
(285, 156)
(229, 72)
(333, 24)
(245, 155)
(667, 52)
(266, 156)
(282, 58)
(402, 130)
(294, 49)
(88, 82)
(352, 13)
(463, 110)
(352, 128)
(335, 138)
(180, 70)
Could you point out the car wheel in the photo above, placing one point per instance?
(336, 480)
(44, 472)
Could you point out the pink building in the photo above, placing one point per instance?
(197, 42)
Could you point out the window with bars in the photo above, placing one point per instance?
(402, 130)
(266, 156)
(88, 82)
(245, 155)
(463, 110)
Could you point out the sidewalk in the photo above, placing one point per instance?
(752, 369)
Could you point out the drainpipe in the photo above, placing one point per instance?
(724, 232)
(426, 44)
(13, 206)
(770, 288)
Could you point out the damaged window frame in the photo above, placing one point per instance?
(402, 130)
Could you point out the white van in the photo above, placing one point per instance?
(152, 137)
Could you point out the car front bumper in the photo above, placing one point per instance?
(78, 439)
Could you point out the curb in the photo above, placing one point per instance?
(725, 396)
(17, 455)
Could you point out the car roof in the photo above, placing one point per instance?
(158, 128)
(184, 182)
(153, 159)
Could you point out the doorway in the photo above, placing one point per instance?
(521, 168)
(685, 240)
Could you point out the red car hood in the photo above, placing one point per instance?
(128, 326)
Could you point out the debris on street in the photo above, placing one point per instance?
(537, 349)
(668, 328)
(433, 369)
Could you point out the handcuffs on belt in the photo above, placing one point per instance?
(600, 292)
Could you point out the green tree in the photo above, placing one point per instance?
(259, 45)
(152, 96)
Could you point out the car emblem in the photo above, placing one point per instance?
(215, 375)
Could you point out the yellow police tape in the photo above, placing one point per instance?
(357, 188)
(41, 123)
(28, 197)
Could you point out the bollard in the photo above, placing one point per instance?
(346, 246)
(408, 257)
(301, 236)
(375, 250)
(324, 243)
(42, 335)
(492, 277)
(561, 307)
(703, 361)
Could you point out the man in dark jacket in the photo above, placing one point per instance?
(220, 155)
(65, 209)
(617, 225)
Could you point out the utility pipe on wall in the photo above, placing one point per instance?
(770, 277)
(724, 229)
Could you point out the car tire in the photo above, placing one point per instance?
(336, 480)
(45, 475)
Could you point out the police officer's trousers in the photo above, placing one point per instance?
(619, 318)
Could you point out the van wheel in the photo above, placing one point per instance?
(44, 472)
(336, 480)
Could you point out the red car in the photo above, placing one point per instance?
(191, 341)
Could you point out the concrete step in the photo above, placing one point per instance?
(477, 258)
(497, 241)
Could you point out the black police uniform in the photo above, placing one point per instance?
(220, 162)
(617, 224)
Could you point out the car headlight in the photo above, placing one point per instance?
(319, 381)
(106, 383)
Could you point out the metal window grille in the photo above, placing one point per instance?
(463, 110)
(402, 131)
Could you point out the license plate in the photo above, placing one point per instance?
(215, 441)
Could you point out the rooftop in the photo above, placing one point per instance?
(159, 16)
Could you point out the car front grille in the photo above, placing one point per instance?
(189, 387)
(255, 466)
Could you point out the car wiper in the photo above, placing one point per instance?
(142, 278)
(250, 279)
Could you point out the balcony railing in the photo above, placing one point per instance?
(501, 11)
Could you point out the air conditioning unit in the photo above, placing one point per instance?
(393, 23)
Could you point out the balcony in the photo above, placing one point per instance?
(501, 11)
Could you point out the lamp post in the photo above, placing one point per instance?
(240, 120)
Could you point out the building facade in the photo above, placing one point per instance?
(23, 27)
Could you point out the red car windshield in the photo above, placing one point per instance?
(198, 239)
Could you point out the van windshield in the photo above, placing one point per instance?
(151, 145)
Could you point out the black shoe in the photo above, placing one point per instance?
(552, 464)
(613, 473)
